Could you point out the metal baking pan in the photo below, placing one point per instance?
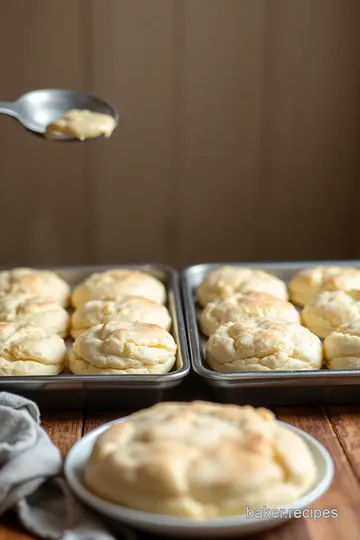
(110, 391)
(268, 389)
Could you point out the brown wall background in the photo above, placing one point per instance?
(239, 133)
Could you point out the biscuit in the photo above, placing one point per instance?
(123, 348)
(263, 345)
(200, 460)
(328, 311)
(47, 314)
(117, 284)
(30, 350)
(34, 283)
(246, 306)
(229, 280)
(307, 284)
(342, 347)
(133, 308)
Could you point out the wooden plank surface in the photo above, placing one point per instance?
(237, 119)
(43, 183)
(344, 494)
(64, 428)
(132, 65)
(335, 427)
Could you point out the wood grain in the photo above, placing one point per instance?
(41, 48)
(237, 120)
(63, 427)
(344, 494)
(94, 419)
(310, 128)
(346, 424)
(220, 117)
(132, 66)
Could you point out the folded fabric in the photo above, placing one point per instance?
(31, 481)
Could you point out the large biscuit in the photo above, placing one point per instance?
(47, 314)
(34, 283)
(263, 345)
(342, 347)
(229, 280)
(307, 284)
(117, 284)
(123, 348)
(200, 460)
(328, 311)
(246, 306)
(30, 350)
(133, 308)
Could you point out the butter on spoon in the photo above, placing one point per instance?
(40, 111)
(82, 124)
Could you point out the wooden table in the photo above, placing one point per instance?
(336, 427)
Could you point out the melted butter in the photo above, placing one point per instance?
(82, 124)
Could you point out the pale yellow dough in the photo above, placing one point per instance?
(133, 308)
(30, 350)
(329, 310)
(81, 124)
(307, 284)
(263, 345)
(123, 348)
(200, 460)
(116, 285)
(226, 281)
(246, 306)
(342, 347)
(47, 314)
(34, 283)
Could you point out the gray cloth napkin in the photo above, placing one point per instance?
(31, 481)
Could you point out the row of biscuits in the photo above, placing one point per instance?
(120, 324)
(252, 326)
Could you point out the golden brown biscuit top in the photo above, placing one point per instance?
(131, 308)
(263, 344)
(116, 344)
(30, 342)
(117, 284)
(351, 328)
(229, 280)
(327, 278)
(175, 448)
(30, 282)
(14, 306)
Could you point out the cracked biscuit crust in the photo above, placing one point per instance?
(133, 308)
(342, 347)
(30, 350)
(246, 306)
(123, 348)
(330, 310)
(20, 310)
(263, 345)
(229, 280)
(307, 284)
(200, 460)
(117, 284)
(34, 283)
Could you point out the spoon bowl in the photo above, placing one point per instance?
(37, 109)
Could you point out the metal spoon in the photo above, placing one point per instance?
(35, 110)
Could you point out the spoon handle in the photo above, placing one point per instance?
(7, 107)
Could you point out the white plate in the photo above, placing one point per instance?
(175, 526)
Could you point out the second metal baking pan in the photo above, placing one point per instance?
(269, 389)
(111, 391)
